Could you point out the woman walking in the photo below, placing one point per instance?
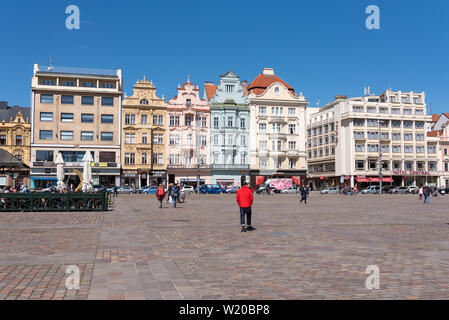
(160, 194)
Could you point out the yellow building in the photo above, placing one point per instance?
(143, 137)
(15, 133)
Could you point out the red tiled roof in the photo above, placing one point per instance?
(434, 133)
(435, 117)
(262, 82)
(446, 114)
(210, 90)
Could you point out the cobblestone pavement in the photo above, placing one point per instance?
(315, 251)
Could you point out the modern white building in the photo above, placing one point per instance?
(344, 137)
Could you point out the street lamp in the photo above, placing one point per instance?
(197, 153)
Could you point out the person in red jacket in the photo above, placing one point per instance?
(245, 201)
(160, 194)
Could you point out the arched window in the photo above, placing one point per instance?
(144, 101)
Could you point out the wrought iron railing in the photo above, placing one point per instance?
(44, 201)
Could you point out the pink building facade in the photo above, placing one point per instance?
(188, 136)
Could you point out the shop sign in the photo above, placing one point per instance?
(158, 174)
(411, 173)
(104, 164)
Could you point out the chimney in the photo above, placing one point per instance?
(3, 105)
(340, 97)
(268, 72)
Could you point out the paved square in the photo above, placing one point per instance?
(315, 251)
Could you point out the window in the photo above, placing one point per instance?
(242, 123)
(372, 123)
(373, 135)
(144, 158)
(188, 102)
(292, 145)
(88, 84)
(263, 162)
(420, 165)
(243, 158)
(130, 158)
(262, 111)
(446, 166)
(432, 166)
(277, 111)
(130, 119)
(107, 101)
(230, 121)
(107, 136)
(107, 85)
(107, 118)
(359, 165)
(47, 116)
(203, 140)
(292, 163)
(359, 148)
(373, 148)
(395, 110)
(385, 148)
(404, 99)
(188, 120)
(67, 99)
(276, 128)
(144, 101)
(174, 121)
(130, 138)
(229, 88)
(174, 139)
(432, 149)
(87, 135)
(407, 111)
(262, 127)
(357, 123)
(419, 124)
(359, 135)
(419, 112)
(396, 123)
(107, 156)
(74, 156)
(292, 128)
(396, 149)
(408, 149)
(417, 100)
(397, 165)
(408, 165)
(386, 165)
(144, 119)
(408, 137)
(396, 136)
(87, 117)
(408, 124)
(263, 145)
(48, 82)
(66, 135)
(44, 155)
(19, 140)
(357, 109)
(67, 83)
(46, 134)
(383, 110)
(215, 123)
(445, 152)
(46, 98)
(372, 110)
(87, 100)
(372, 164)
(158, 139)
(66, 117)
(291, 112)
(419, 137)
(243, 141)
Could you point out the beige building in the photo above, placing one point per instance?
(344, 137)
(442, 137)
(73, 111)
(143, 137)
(15, 133)
(277, 129)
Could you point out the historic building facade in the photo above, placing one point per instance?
(229, 130)
(347, 136)
(442, 137)
(277, 135)
(188, 136)
(75, 110)
(143, 137)
(15, 134)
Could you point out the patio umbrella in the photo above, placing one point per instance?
(60, 172)
(87, 172)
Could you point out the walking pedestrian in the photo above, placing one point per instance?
(426, 195)
(160, 195)
(175, 194)
(420, 192)
(245, 202)
(169, 192)
(304, 195)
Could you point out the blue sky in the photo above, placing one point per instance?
(321, 48)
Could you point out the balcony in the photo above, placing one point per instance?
(230, 166)
(263, 153)
(278, 136)
(293, 153)
(277, 119)
(187, 166)
(278, 153)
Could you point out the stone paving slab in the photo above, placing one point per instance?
(314, 251)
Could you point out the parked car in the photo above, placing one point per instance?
(386, 189)
(189, 189)
(347, 190)
(98, 188)
(399, 190)
(232, 189)
(149, 190)
(126, 190)
(265, 188)
(443, 191)
(371, 190)
(330, 190)
(290, 191)
(412, 190)
(212, 189)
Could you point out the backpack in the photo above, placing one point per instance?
(160, 192)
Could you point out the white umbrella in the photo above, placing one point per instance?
(60, 172)
(87, 172)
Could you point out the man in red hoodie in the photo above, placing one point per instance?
(245, 201)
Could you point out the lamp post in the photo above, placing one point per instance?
(197, 153)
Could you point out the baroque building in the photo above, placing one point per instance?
(188, 136)
(278, 125)
(15, 133)
(143, 137)
(229, 129)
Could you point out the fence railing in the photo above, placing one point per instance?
(42, 201)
